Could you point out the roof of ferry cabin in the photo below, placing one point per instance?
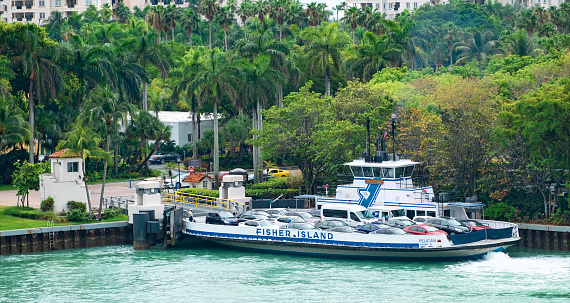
(385, 164)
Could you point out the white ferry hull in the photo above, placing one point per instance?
(342, 245)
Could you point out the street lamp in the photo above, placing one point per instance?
(179, 183)
(393, 137)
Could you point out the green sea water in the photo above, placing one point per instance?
(200, 272)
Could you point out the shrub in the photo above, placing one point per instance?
(47, 205)
(73, 205)
(201, 192)
(500, 211)
(77, 215)
(29, 213)
(273, 183)
(271, 193)
(112, 212)
(130, 175)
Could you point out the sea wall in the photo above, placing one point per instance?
(64, 237)
(544, 236)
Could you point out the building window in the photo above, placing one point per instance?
(189, 137)
(72, 167)
(408, 5)
(415, 4)
(88, 2)
(377, 5)
(389, 5)
(57, 2)
(384, 5)
(42, 3)
(205, 184)
(42, 15)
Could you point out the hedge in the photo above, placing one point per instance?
(269, 193)
(273, 183)
(29, 213)
(47, 205)
(200, 192)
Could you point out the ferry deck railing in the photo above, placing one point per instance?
(501, 224)
(198, 200)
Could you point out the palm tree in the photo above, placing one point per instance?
(36, 59)
(260, 87)
(122, 12)
(154, 18)
(148, 52)
(219, 77)
(54, 25)
(371, 56)
(325, 43)
(84, 142)
(209, 9)
(295, 14)
(338, 8)
(480, 44)
(521, 43)
(260, 8)
(190, 22)
(104, 106)
(128, 75)
(351, 16)
(106, 12)
(89, 63)
(225, 18)
(192, 63)
(13, 127)
(245, 11)
(172, 14)
(278, 12)
(312, 13)
(91, 14)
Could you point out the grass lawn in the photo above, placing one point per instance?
(6, 187)
(10, 222)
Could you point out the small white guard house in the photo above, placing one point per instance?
(147, 198)
(199, 180)
(65, 182)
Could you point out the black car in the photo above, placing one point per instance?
(447, 224)
(221, 218)
(164, 157)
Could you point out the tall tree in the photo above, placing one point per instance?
(84, 142)
(155, 18)
(13, 127)
(371, 56)
(190, 22)
(351, 16)
(278, 13)
(209, 9)
(245, 11)
(480, 45)
(219, 78)
(147, 52)
(323, 49)
(35, 57)
(104, 106)
(225, 18)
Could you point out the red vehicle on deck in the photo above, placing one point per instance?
(474, 225)
(424, 229)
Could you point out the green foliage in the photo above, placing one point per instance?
(29, 213)
(27, 176)
(47, 205)
(201, 192)
(112, 212)
(560, 218)
(271, 193)
(77, 215)
(500, 211)
(74, 205)
(272, 183)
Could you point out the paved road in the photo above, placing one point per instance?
(8, 197)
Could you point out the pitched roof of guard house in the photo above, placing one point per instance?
(60, 154)
(195, 177)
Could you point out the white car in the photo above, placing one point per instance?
(174, 182)
(259, 224)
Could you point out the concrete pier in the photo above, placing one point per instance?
(64, 237)
(544, 236)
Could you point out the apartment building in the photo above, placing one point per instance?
(390, 7)
(37, 11)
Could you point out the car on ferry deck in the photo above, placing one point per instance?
(276, 212)
(258, 224)
(301, 226)
(246, 217)
(221, 218)
(284, 220)
(389, 231)
(400, 223)
(474, 225)
(424, 229)
(305, 215)
(421, 219)
(328, 224)
(344, 229)
(448, 224)
(370, 227)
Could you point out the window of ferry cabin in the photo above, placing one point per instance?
(377, 171)
(367, 171)
(357, 171)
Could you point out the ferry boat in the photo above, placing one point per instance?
(353, 245)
